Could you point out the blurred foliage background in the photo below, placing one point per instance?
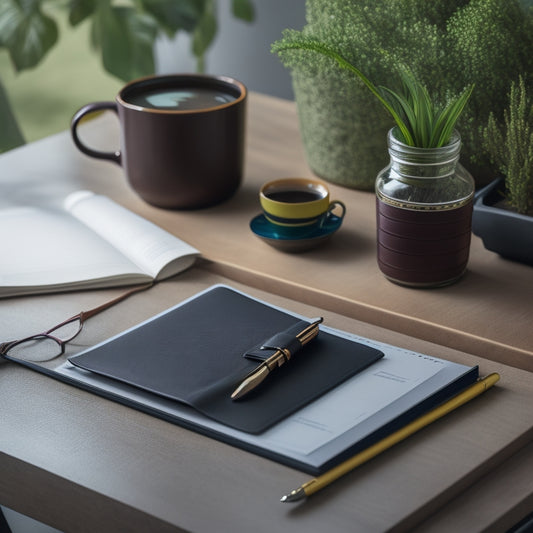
(56, 55)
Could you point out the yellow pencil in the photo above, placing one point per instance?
(314, 485)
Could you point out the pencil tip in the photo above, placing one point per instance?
(294, 496)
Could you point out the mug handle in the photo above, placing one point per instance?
(86, 110)
(332, 206)
(337, 203)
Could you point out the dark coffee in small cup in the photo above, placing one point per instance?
(182, 138)
(294, 197)
(296, 202)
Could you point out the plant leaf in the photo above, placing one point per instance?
(243, 9)
(173, 16)
(204, 33)
(402, 106)
(126, 39)
(26, 32)
(445, 122)
(79, 10)
(10, 134)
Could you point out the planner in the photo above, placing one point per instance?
(198, 352)
(337, 396)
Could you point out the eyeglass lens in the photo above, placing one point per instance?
(46, 346)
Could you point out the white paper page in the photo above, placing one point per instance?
(49, 247)
(146, 244)
(362, 396)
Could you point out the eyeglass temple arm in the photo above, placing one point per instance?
(91, 312)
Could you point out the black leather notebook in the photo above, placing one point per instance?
(195, 353)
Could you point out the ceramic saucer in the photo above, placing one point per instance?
(294, 239)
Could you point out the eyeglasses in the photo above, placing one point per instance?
(50, 344)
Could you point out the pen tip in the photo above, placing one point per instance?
(250, 383)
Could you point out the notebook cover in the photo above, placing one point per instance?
(193, 353)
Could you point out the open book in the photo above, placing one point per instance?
(91, 243)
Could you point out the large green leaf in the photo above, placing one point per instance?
(126, 39)
(175, 15)
(204, 33)
(243, 9)
(26, 32)
(79, 10)
(10, 134)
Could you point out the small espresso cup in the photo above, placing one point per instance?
(297, 202)
(181, 138)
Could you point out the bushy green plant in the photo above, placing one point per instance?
(490, 43)
(509, 144)
(447, 44)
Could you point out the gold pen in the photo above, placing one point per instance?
(280, 356)
(314, 485)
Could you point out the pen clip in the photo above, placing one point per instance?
(291, 339)
(285, 345)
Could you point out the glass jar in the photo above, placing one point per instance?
(424, 203)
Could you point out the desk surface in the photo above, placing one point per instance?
(488, 312)
(83, 463)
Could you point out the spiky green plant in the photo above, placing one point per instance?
(422, 123)
(510, 146)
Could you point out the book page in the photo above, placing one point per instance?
(154, 250)
(43, 249)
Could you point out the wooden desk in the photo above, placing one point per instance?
(82, 463)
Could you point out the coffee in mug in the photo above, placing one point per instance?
(182, 138)
(297, 202)
(181, 99)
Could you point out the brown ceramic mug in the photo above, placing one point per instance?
(182, 138)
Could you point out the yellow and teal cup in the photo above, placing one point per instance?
(296, 202)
